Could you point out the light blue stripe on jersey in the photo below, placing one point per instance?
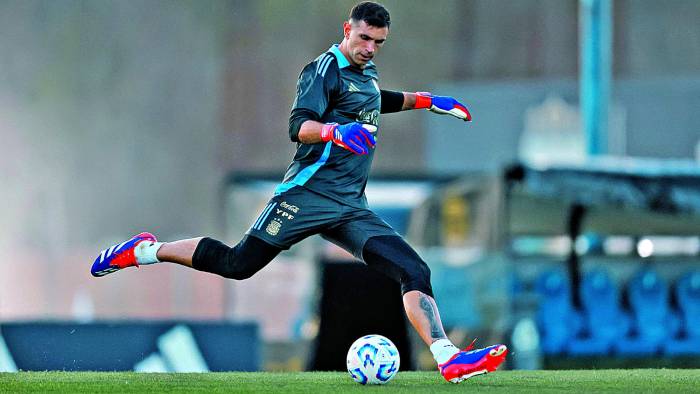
(265, 213)
(322, 65)
(342, 61)
(305, 174)
(261, 215)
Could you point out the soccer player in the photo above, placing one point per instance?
(334, 122)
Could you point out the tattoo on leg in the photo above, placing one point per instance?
(428, 307)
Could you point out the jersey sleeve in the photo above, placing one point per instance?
(296, 119)
(316, 85)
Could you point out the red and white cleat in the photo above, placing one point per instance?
(468, 362)
(119, 256)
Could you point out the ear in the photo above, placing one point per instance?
(346, 29)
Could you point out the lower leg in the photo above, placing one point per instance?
(395, 258)
(424, 316)
(179, 252)
(205, 254)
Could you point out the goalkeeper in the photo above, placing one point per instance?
(334, 122)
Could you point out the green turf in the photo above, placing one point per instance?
(631, 380)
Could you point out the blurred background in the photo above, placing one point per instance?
(171, 117)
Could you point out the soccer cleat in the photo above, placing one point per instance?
(119, 256)
(468, 362)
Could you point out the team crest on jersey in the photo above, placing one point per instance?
(273, 228)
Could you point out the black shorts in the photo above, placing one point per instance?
(298, 213)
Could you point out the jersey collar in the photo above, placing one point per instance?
(342, 61)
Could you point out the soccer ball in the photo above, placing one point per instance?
(373, 359)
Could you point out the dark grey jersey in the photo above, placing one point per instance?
(338, 92)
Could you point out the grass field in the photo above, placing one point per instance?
(589, 381)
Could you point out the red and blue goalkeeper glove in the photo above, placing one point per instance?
(355, 137)
(443, 105)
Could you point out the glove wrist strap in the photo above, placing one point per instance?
(327, 131)
(423, 100)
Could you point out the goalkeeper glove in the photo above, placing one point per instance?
(355, 137)
(443, 105)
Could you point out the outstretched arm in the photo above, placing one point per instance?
(444, 105)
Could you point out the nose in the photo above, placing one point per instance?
(371, 47)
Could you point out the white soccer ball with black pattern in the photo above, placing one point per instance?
(373, 359)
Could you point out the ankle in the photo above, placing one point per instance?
(443, 349)
(146, 252)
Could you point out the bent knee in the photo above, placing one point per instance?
(238, 274)
(240, 262)
(417, 279)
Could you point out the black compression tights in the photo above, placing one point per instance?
(391, 255)
(388, 254)
(240, 262)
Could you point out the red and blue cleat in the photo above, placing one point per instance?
(468, 362)
(119, 256)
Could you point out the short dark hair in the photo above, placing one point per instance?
(374, 14)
